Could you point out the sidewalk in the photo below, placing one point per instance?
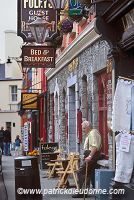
(3, 192)
(9, 179)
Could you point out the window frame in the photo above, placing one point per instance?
(11, 93)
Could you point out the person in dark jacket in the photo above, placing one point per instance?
(1, 138)
(7, 141)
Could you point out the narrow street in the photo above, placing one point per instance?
(67, 99)
(46, 185)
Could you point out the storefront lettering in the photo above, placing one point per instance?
(37, 59)
(28, 12)
(39, 52)
(33, 15)
(38, 56)
(24, 26)
(35, 4)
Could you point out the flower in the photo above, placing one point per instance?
(34, 153)
(66, 26)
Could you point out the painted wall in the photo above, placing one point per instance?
(5, 95)
(15, 120)
(13, 45)
(8, 110)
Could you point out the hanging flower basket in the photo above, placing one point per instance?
(66, 26)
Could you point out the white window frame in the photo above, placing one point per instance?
(15, 93)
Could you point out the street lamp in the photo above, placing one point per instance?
(85, 2)
(58, 4)
(40, 28)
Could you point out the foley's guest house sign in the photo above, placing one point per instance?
(38, 56)
(27, 13)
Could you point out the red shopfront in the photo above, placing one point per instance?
(104, 107)
(43, 107)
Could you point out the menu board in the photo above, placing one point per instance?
(47, 153)
(49, 147)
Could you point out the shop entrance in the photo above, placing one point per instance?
(102, 109)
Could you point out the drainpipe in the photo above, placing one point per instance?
(77, 108)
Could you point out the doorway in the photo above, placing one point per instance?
(102, 111)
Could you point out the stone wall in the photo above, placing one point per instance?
(90, 62)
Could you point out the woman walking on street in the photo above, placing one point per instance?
(17, 145)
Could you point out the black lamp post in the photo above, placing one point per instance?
(40, 28)
(9, 60)
(58, 4)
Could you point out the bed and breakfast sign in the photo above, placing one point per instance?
(38, 57)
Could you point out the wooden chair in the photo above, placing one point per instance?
(71, 169)
(52, 166)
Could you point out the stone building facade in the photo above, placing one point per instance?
(73, 96)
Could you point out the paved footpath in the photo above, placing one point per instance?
(9, 180)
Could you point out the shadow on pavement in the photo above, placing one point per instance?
(3, 192)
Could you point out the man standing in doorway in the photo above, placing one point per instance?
(7, 141)
(1, 138)
(92, 147)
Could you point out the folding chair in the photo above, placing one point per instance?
(53, 166)
(70, 169)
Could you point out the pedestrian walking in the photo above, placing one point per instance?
(17, 145)
(7, 141)
(92, 147)
(1, 138)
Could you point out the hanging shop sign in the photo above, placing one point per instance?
(29, 101)
(25, 138)
(75, 8)
(38, 56)
(27, 13)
